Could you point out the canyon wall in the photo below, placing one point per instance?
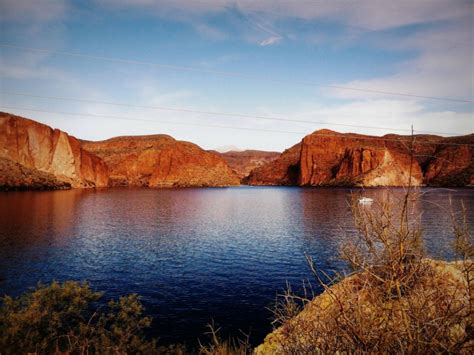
(161, 161)
(34, 147)
(33, 154)
(284, 170)
(243, 162)
(328, 158)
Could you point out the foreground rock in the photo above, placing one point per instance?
(328, 158)
(37, 149)
(161, 161)
(243, 162)
(352, 317)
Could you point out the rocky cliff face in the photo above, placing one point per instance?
(284, 170)
(327, 158)
(161, 161)
(452, 165)
(242, 163)
(14, 176)
(38, 147)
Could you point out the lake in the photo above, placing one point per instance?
(194, 255)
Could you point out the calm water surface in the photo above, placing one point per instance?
(192, 254)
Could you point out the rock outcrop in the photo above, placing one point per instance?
(331, 158)
(452, 165)
(284, 170)
(38, 154)
(327, 322)
(243, 162)
(161, 161)
(38, 147)
(327, 158)
(14, 176)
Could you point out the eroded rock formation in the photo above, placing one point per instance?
(14, 176)
(161, 161)
(38, 147)
(37, 155)
(327, 158)
(284, 170)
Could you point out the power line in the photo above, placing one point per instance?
(232, 74)
(147, 120)
(217, 113)
(340, 135)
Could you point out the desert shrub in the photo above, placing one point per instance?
(219, 346)
(67, 318)
(394, 300)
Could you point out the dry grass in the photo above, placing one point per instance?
(218, 346)
(394, 301)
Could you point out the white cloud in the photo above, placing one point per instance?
(270, 41)
(371, 14)
(443, 66)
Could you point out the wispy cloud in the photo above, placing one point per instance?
(443, 65)
(270, 41)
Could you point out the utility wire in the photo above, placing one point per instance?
(340, 135)
(217, 113)
(231, 74)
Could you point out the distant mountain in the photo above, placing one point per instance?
(228, 148)
(243, 162)
(328, 158)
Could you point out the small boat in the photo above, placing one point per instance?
(365, 200)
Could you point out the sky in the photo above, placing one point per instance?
(103, 68)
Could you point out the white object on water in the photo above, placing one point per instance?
(366, 200)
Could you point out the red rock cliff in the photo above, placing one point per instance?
(161, 161)
(284, 170)
(39, 147)
(327, 158)
(452, 165)
(331, 158)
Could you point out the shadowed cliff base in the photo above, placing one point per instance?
(16, 177)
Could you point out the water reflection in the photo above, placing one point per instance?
(193, 254)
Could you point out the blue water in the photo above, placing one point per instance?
(194, 255)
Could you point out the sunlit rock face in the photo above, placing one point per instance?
(328, 158)
(36, 146)
(161, 161)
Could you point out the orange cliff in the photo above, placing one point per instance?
(161, 161)
(35, 155)
(328, 158)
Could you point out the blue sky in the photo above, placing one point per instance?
(423, 48)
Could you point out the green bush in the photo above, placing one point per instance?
(67, 318)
